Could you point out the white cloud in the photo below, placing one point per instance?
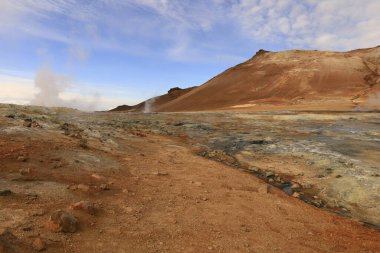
(177, 29)
(323, 24)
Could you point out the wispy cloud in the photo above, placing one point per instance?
(320, 24)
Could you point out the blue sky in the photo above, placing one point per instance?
(111, 52)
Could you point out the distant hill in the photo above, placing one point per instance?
(155, 103)
(122, 108)
(293, 79)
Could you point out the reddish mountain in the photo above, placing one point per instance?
(289, 79)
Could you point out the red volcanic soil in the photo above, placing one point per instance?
(293, 79)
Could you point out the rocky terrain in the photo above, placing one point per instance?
(188, 182)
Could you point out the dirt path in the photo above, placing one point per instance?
(162, 198)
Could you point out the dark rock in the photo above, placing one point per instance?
(5, 192)
(11, 116)
(9, 243)
(62, 221)
(27, 123)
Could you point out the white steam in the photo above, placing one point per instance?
(149, 105)
(54, 90)
(50, 85)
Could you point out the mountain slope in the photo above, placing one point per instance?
(294, 78)
(155, 103)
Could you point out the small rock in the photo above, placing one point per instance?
(198, 183)
(86, 206)
(5, 192)
(128, 209)
(338, 176)
(296, 195)
(104, 187)
(10, 243)
(83, 187)
(27, 228)
(295, 186)
(22, 158)
(27, 123)
(62, 221)
(162, 173)
(264, 189)
(24, 172)
(307, 186)
(39, 244)
(204, 199)
(269, 174)
(254, 169)
(98, 177)
(271, 180)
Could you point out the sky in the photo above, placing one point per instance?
(97, 54)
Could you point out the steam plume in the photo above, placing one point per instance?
(50, 85)
(53, 91)
(148, 107)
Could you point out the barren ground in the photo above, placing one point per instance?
(154, 191)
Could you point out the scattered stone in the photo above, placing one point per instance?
(86, 206)
(62, 221)
(98, 177)
(162, 173)
(295, 186)
(104, 187)
(269, 174)
(39, 245)
(83, 187)
(27, 123)
(5, 192)
(254, 169)
(198, 183)
(22, 158)
(307, 186)
(296, 195)
(25, 172)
